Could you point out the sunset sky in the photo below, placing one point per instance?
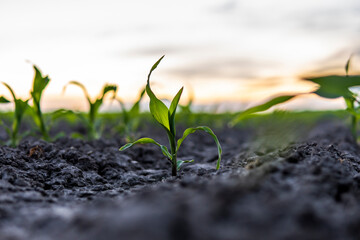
(238, 52)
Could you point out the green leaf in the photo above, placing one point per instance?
(39, 84)
(76, 83)
(3, 100)
(61, 113)
(350, 106)
(20, 108)
(179, 163)
(172, 110)
(334, 86)
(109, 88)
(189, 131)
(154, 67)
(261, 108)
(166, 152)
(175, 102)
(19, 111)
(163, 148)
(10, 89)
(20, 105)
(157, 108)
(135, 109)
(96, 106)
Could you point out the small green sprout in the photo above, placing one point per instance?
(39, 84)
(20, 108)
(166, 118)
(94, 106)
(130, 117)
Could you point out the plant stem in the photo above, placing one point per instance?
(173, 154)
(350, 103)
(92, 131)
(43, 128)
(354, 126)
(15, 130)
(174, 167)
(41, 121)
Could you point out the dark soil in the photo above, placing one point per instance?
(87, 190)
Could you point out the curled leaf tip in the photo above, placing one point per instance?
(154, 67)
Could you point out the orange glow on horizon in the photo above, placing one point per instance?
(232, 95)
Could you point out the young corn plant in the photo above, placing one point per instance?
(351, 104)
(166, 118)
(93, 132)
(334, 86)
(130, 118)
(39, 84)
(20, 108)
(331, 87)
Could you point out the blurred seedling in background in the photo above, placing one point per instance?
(334, 86)
(93, 126)
(186, 112)
(260, 108)
(20, 108)
(166, 118)
(131, 120)
(39, 84)
(186, 109)
(331, 87)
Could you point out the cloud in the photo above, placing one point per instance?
(335, 62)
(329, 19)
(281, 14)
(267, 82)
(227, 7)
(159, 50)
(236, 69)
